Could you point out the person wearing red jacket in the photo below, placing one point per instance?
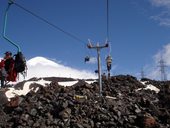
(9, 67)
(7, 72)
(3, 73)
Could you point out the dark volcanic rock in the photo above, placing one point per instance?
(80, 106)
(3, 98)
(58, 79)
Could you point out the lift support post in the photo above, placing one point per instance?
(98, 48)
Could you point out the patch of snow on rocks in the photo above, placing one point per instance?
(12, 92)
(69, 83)
(149, 86)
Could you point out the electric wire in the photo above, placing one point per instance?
(108, 19)
(49, 23)
(108, 38)
(60, 29)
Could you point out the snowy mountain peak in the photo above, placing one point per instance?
(41, 61)
(43, 67)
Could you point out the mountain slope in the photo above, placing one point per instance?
(125, 104)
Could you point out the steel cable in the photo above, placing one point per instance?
(51, 24)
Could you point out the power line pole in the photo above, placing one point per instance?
(142, 73)
(162, 69)
(98, 48)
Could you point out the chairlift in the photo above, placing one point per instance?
(96, 71)
(109, 62)
(19, 56)
(86, 59)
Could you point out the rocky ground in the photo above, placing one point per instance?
(125, 104)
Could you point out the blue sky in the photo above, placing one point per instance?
(138, 30)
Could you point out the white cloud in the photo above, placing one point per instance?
(154, 73)
(42, 67)
(154, 70)
(161, 3)
(164, 16)
(165, 54)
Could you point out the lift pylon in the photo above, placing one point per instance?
(98, 48)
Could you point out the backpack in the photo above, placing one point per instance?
(20, 63)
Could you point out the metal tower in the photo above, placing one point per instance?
(162, 69)
(142, 73)
(98, 48)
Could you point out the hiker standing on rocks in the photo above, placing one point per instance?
(7, 69)
(9, 66)
(9, 61)
(3, 73)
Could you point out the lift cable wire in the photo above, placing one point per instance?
(108, 39)
(49, 23)
(107, 20)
